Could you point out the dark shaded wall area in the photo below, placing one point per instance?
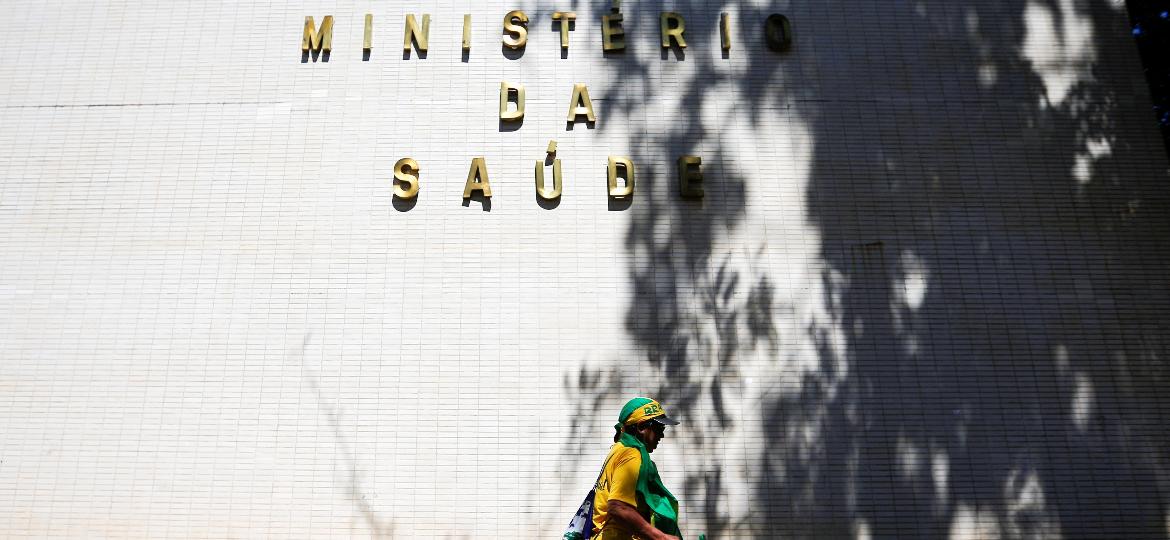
(993, 231)
(1151, 30)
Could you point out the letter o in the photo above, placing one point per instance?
(778, 32)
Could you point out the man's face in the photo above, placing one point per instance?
(652, 433)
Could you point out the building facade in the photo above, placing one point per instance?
(922, 293)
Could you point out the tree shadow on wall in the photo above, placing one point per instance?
(695, 311)
(379, 526)
(992, 236)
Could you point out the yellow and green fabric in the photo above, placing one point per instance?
(645, 491)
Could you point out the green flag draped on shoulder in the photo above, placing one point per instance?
(663, 505)
(649, 490)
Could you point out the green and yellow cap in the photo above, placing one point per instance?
(641, 409)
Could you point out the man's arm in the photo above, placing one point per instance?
(635, 522)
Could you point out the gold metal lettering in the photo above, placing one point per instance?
(672, 26)
(406, 171)
(518, 31)
(628, 166)
(688, 178)
(416, 35)
(777, 32)
(368, 40)
(506, 89)
(318, 39)
(581, 104)
(725, 31)
(477, 179)
(552, 147)
(566, 18)
(467, 32)
(612, 35)
(556, 189)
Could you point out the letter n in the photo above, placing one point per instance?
(415, 34)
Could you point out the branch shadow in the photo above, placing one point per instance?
(379, 525)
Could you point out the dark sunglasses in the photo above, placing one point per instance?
(658, 428)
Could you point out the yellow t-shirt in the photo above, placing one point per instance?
(618, 481)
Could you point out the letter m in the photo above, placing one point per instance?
(318, 39)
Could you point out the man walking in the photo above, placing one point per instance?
(630, 501)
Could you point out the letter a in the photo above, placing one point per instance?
(580, 104)
(477, 179)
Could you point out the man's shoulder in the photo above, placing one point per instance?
(621, 454)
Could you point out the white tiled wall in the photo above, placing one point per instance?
(216, 321)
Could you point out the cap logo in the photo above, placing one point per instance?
(644, 411)
(641, 409)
